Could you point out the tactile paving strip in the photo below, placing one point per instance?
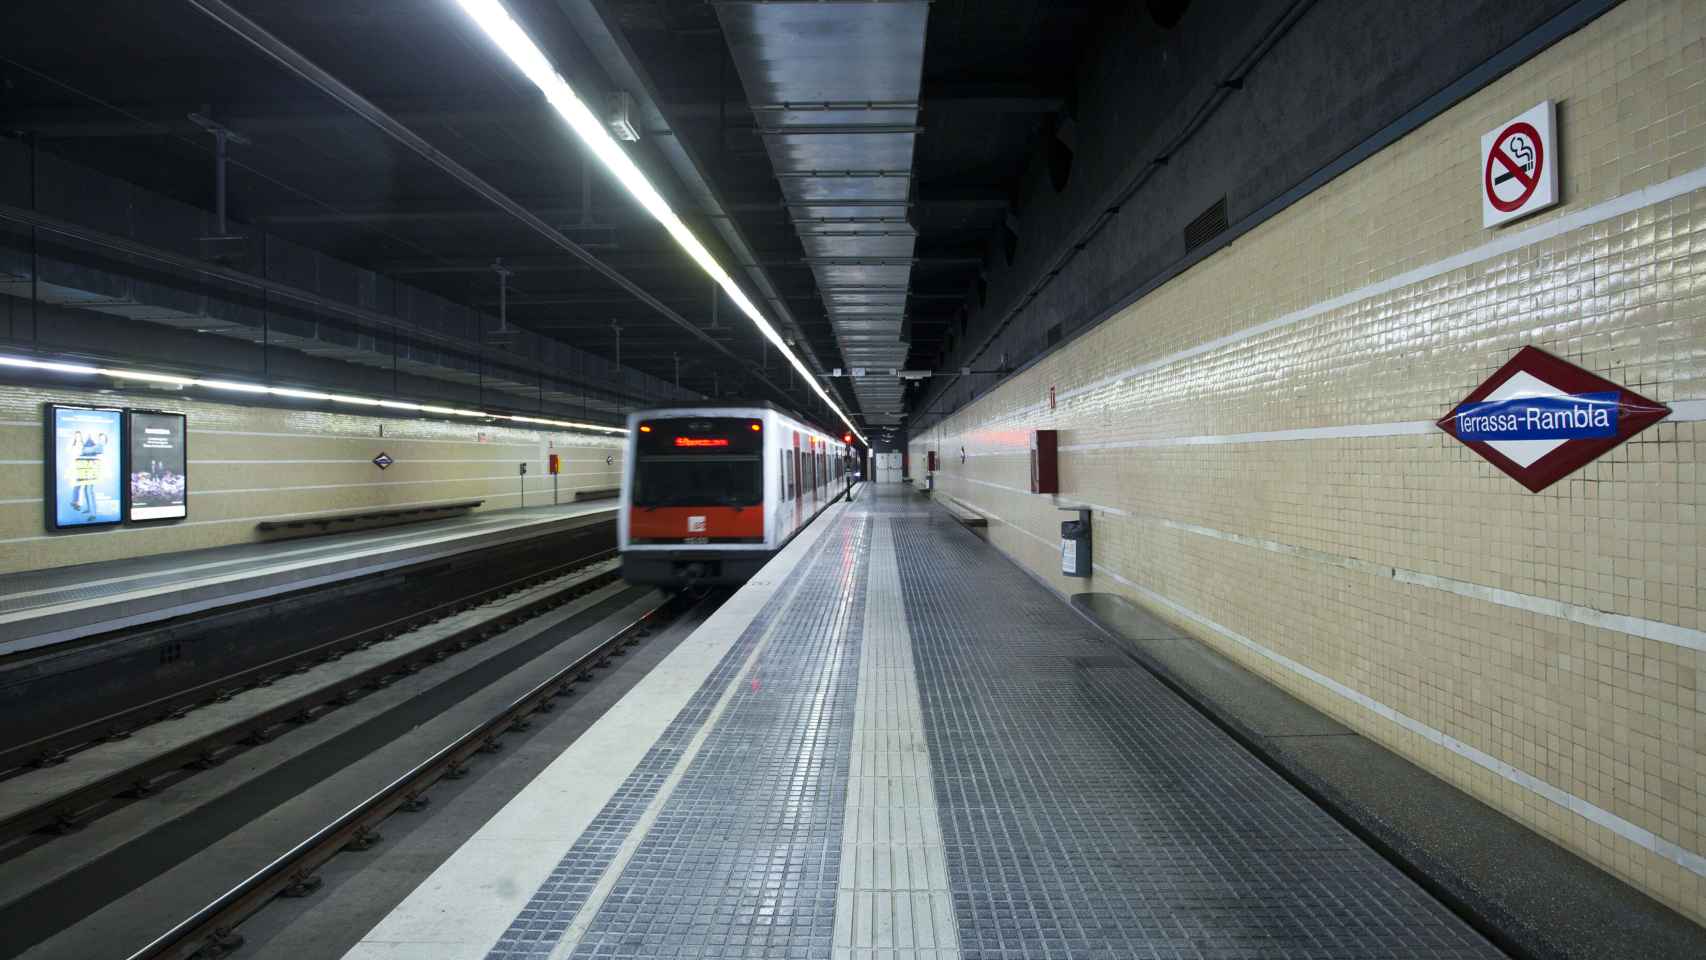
(742, 861)
(538, 928)
(893, 902)
(1087, 811)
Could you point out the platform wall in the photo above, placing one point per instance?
(247, 464)
(1256, 438)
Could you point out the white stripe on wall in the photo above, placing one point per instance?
(533, 478)
(1507, 243)
(367, 437)
(1681, 411)
(1658, 630)
(1682, 856)
(359, 460)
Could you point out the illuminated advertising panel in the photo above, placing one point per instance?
(86, 466)
(159, 481)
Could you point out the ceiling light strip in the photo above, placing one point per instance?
(234, 386)
(494, 20)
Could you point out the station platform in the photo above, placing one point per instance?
(894, 744)
(43, 607)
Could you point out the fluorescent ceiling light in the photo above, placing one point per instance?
(495, 21)
(148, 376)
(73, 368)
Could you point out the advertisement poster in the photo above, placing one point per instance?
(87, 464)
(159, 488)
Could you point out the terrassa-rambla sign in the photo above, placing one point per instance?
(1540, 419)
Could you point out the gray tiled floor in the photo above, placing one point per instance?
(919, 753)
(1089, 812)
(742, 856)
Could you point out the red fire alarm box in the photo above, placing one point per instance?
(930, 461)
(1045, 461)
(554, 465)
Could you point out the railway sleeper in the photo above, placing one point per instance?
(206, 760)
(364, 839)
(220, 943)
(51, 758)
(416, 802)
(139, 788)
(67, 821)
(301, 885)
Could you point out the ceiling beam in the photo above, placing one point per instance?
(649, 260)
(293, 61)
(1009, 98)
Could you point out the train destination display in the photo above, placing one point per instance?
(85, 459)
(159, 485)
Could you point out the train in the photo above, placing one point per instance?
(710, 492)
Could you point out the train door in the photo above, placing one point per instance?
(794, 471)
(811, 465)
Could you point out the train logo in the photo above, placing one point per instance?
(695, 524)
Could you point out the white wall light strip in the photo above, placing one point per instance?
(232, 386)
(492, 18)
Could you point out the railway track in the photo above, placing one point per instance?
(111, 818)
(212, 931)
(67, 779)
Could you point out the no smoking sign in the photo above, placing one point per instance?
(1519, 167)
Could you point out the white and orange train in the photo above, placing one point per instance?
(710, 492)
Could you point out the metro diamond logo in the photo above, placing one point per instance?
(1540, 419)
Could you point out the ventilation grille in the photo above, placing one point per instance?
(1209, 224)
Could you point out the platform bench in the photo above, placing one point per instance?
(601, 493)
(964, 514)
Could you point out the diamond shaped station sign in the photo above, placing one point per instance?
(1540, 419)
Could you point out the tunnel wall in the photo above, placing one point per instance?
(250, 463)
(1256, 440)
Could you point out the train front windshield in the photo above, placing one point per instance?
(715, 461)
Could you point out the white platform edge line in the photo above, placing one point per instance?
(1687, 859)
(637, 833)
(442, 917)
(116, 531)
(482, 525)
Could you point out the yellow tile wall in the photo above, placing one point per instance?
(1394, 579)
(247, 464)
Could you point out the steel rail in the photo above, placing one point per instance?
(68, 810)
(214, 925)
(47, 749)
